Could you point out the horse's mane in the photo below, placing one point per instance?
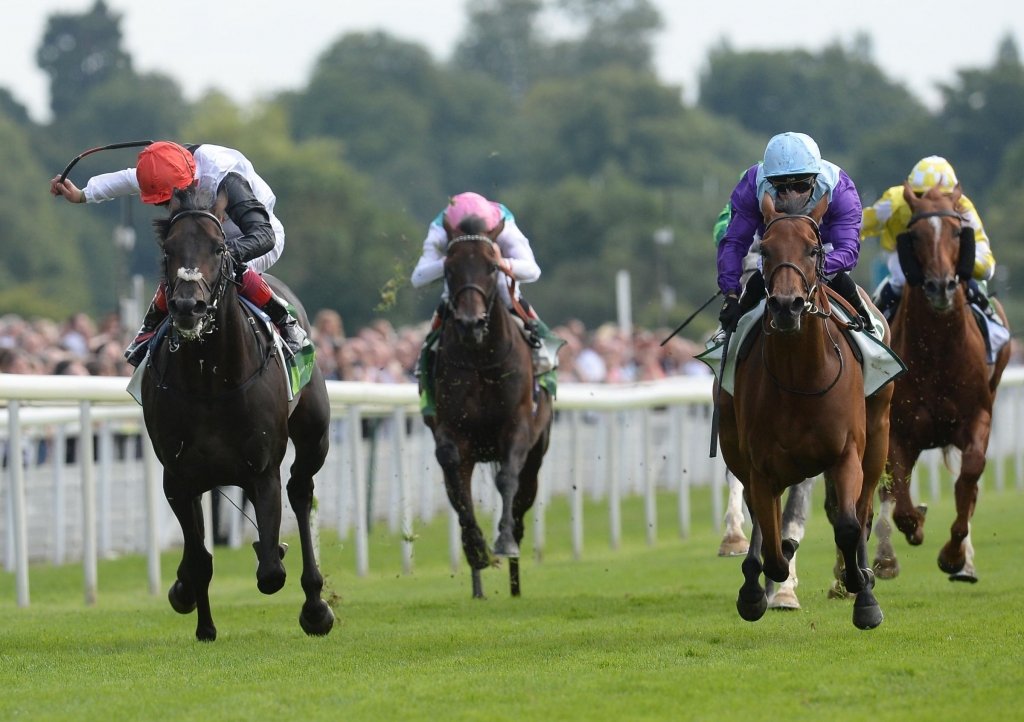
(188, 199)
(794, 205)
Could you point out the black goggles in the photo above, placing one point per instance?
(785, 185)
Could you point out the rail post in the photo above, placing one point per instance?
(355, 440)
(88, 467)
(404, 491)
(576, 449)
(15, 463)
(539, 507)
(59, 505)
(614, 482)
(106, 481)
(649, 481)
(152, 513)
(678, 440)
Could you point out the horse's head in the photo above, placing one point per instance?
(791, 257)
(937, 251)
(195, 259)
(471, 272)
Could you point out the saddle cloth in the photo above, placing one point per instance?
(880, 364)
(300, 366)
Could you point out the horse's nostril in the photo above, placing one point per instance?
(931, 286)
(199, 309)
(773, 305)
(951, 286)
(797, 304)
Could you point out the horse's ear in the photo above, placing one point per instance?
(496, 231)
(174, 204)
(957, 194)
(909, 196)
(447, 227)
(768, 208)
(220, 205)
(818, 212)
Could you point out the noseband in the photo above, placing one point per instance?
(488, 297)
(214, 293)
(810, 308)
(819, 268)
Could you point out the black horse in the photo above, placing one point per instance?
(216, 406)
(484, 397)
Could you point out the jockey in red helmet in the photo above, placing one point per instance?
(254, 236)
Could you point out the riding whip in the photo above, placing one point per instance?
(691, 317)
(112, 146)
(718, 396)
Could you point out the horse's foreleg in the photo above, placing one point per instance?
(908, 519)
(192, 588)
(734, 541)
(458, 478)
(507, 481)
(767, 509)
(847, 478)
(794, 523)
(524, 499)
(265, 495)
(953, 557)
(316, 617)
(752, 601)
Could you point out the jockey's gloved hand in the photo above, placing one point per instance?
(730, 313)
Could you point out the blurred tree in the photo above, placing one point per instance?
(500, 41)
(838, 96)
(616, 32)
(983, 113)
(80, 51)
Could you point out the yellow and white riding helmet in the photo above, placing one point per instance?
(930, 172)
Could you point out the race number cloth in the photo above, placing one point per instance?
(881, 364)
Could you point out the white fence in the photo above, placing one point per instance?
(61, 505)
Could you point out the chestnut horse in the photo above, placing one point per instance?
(945, 399)
(798, 410)
(484, 399)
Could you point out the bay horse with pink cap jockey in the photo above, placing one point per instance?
(254, 236)
(486, 375)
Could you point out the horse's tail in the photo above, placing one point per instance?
(952, 458)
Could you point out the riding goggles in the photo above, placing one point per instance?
(793, 185)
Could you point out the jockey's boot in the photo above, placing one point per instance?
(845, 287)
(292, 334)
(156, 314)
(978, 298)
(887, 300)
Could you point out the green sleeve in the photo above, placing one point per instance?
(722, 224)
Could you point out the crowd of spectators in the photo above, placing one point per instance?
(383, 354)
(379, 353)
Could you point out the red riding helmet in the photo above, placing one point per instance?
(162, 167)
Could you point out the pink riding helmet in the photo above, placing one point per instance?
(473, 204)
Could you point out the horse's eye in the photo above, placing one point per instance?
(493, 268)
(220, 250)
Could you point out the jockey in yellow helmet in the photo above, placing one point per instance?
(889, 217)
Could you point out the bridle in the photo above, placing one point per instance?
(817, 304)
(215, 292)
(488, 297)
(933, 214)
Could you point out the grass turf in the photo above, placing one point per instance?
(638, 633)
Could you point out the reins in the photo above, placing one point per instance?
(817, 304)
(225, 275)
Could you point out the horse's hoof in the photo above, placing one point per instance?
(206, 634)
(964, 576)
(954, 566)
(271, 582)
(887, 567)
(789, 547)
(316, 618)
(752, 612)
(733, 546)
(838, 591)
(867, 616)
(785, 599)
(506, 548)
(182, 601)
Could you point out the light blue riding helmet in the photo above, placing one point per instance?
(791, 154)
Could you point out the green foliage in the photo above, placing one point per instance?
(79, 51)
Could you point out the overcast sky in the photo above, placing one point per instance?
(250, 48)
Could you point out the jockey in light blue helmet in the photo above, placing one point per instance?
(791, 154)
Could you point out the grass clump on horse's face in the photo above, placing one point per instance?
(936, 244)
(193, 259)
(789, 255)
